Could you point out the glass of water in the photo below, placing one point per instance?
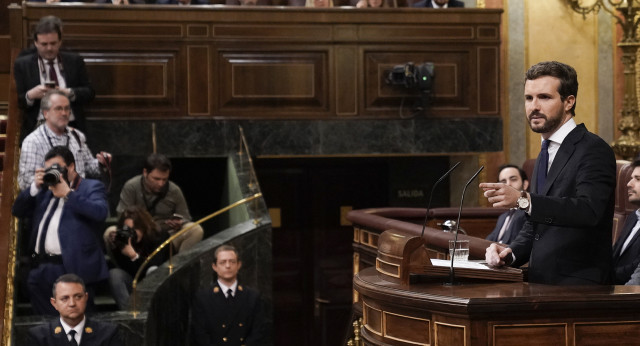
(461, 252)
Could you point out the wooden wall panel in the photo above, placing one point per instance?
(284, 63)
(276, 82)
(488, 84)
(198, 75)
(407, 328)
(127, 82)
(454, 85)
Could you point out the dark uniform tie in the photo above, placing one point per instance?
(72, 341)
(230, 296)
(543, 166)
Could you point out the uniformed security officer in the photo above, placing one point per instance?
(227, 313)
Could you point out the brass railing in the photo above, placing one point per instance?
(177, 234)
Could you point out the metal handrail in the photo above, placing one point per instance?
(179, 233)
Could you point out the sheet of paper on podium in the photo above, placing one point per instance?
(474, 269)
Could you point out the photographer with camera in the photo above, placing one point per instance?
(135, 238)
(67, 213)
(55, 131)
(163, 199)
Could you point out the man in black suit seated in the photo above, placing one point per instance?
(73, 327)
(626, 250)
(438, 3)
(227, 313)
(46, 68)
(510, 222)
(566, 238)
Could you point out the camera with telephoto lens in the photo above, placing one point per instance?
(123, 234)
(53, 174)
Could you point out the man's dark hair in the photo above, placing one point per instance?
(68, 278)
(565, 73)
(225, 248)
(157, 161)
(63, 152)
(47, 25)
(45, 103)
(636, 162)
(523, 174)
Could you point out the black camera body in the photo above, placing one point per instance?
(414, 77)
(123, 234)
(411, 76)
(53, 174)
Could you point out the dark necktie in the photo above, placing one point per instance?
(53, 76)
(45, 226)
(72, 341)
(543, 166)
(230, 295)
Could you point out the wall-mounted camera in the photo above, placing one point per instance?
(417, 77)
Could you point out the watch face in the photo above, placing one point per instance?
(523, 203)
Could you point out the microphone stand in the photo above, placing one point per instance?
(426, 217)
(452, 273)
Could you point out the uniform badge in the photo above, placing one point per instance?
(88, 330)
(216, 289)
(239, 288)
(58, 330)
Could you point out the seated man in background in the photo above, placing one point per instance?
(510, 223)
(67, 212)
(163, 199)
(49, 68)
(626, 250)
(73, 327)
(438, 3)
(227, 313)
(53, 132)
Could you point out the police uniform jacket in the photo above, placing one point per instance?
(216, 320)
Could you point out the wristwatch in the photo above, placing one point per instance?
(523, 201)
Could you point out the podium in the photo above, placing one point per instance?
(404, 302)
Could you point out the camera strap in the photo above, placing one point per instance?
(151, 208)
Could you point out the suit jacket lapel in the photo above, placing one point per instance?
(565, 151)
(628, 226)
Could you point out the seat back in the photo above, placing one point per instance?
(622, 206)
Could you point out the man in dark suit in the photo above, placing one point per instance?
(50, 68)
(626, 250)
(570, 209)
(67, 213)
(510, 222)
(228, 313)
(438, 3)
(73, 327)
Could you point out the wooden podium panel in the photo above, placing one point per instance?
(431, 313)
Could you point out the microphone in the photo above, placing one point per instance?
(455, 238)
(424, 224)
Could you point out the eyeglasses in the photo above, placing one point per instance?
(60, 109)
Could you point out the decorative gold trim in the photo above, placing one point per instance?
(397, 275)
